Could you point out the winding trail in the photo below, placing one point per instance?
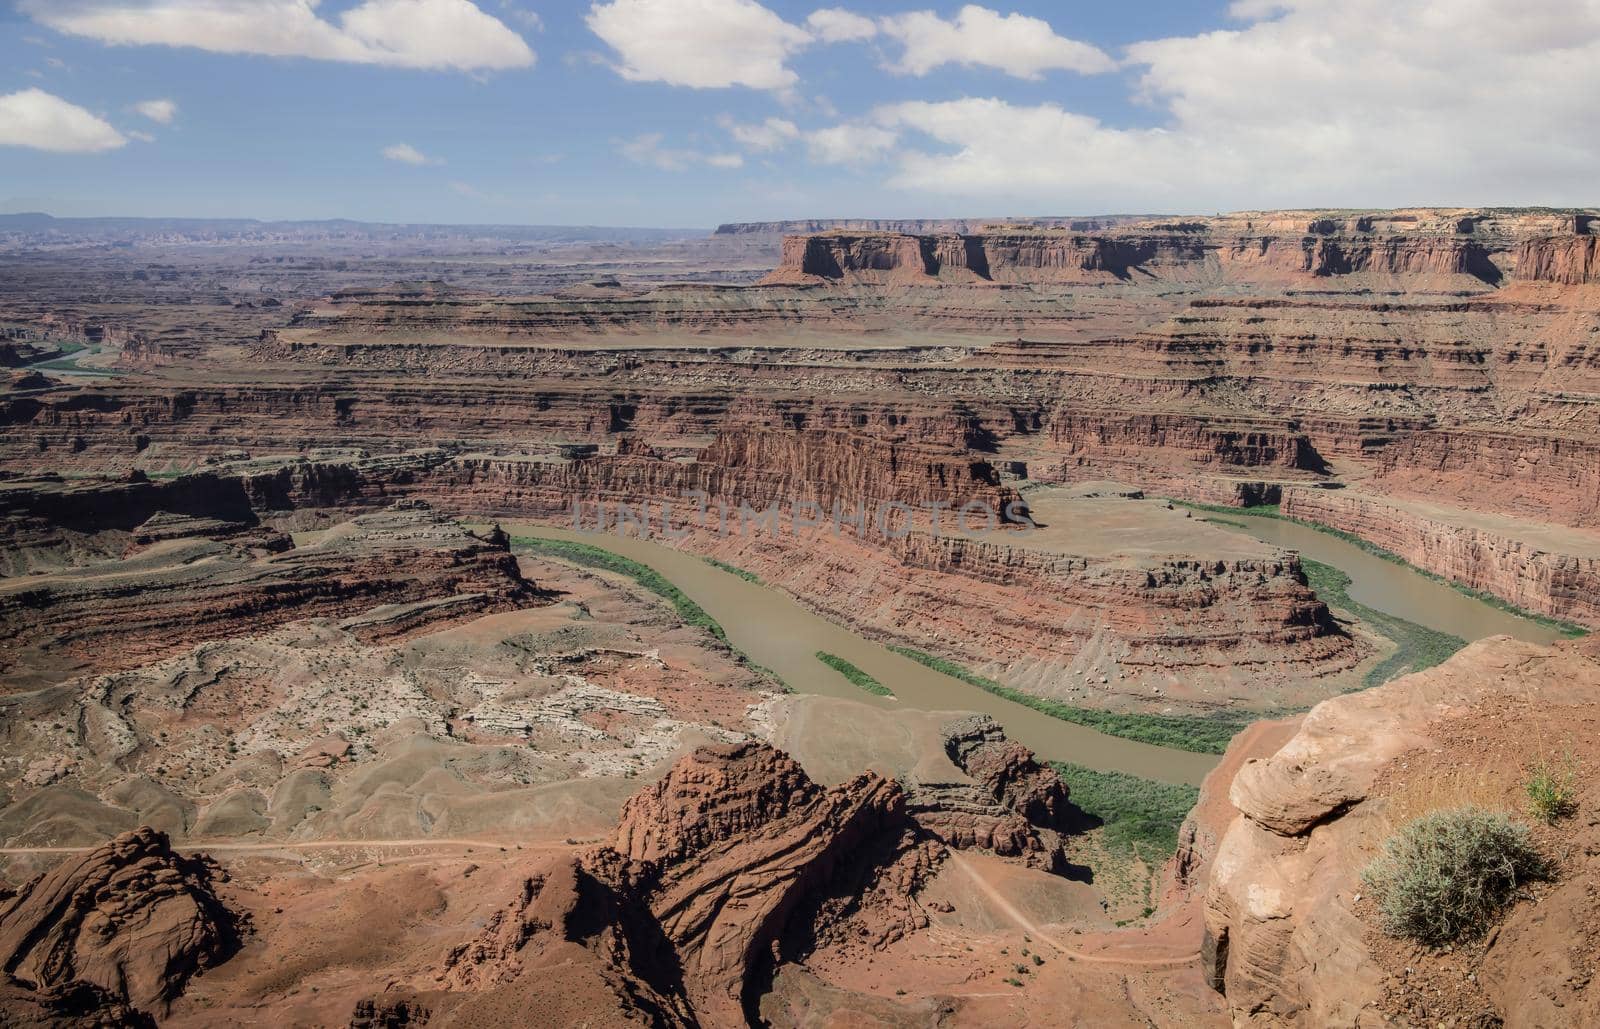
(236, 848)
(1033, 929)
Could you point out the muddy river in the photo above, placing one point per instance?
(776, 631)
(1394, 588)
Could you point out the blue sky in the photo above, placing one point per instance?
(692, 112)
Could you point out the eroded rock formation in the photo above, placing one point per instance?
(381, 574)
(126, 924)
(732, 857)
(1290, 939)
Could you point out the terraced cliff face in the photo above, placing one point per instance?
(1413, 354)
(1462, 249)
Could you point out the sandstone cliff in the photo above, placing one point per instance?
(127, 924)
(714, 873)
(1538, 575)
(1290, 939)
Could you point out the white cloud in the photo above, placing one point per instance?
(43, 121)
(159, 111)
(772, 134)
(837, 25)
(1015, 44)
(851, 143)
(1347, 103)
(648, 149)
(453, 34)
(143, 137)
(405, 153)
(699, 43)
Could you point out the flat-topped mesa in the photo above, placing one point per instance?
(915, 225)
(1460, 249)
(1568, 260)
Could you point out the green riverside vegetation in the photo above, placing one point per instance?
(1416, 646)
(732, 570)
(1199, 734)
(649, 578)
(1567, 629)
(856, 676)
(1140, 816)
(691, 613)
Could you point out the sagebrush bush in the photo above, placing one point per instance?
(1446, 877)
(1553, 790)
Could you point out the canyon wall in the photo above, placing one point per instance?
(1561, 585)
(1465, 250)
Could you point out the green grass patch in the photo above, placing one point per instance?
(856, 676)
(1140, 817)
(1201, 735)
(1568, 629)
(732, 570)
(1416, 646)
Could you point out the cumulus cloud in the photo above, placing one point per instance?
(1015, 44)
(405, 153)
(159, 111)
(772, 134)
(837, 25)
(43, 121)
(699, 43)
(441, 34)
(851, 143)
(718, 43)
(648, 149)
(1308, 103)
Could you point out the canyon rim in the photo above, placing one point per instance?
(436, 612)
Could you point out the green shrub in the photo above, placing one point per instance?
(1446, 877)
(1141, 817)
(1553, 790)
(1201, 734)
(856, 676)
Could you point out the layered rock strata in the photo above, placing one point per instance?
(382, 574)
(123, 927)
(1535, 573)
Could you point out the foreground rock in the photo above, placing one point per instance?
(1011, 804)
(120, 930)
(1290, 938)
(732, 865)
(731, 861)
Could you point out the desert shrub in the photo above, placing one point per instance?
(1445, 877)
(1553, 790)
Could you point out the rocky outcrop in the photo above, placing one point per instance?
(731, 861)
(1534, 573)
(51, 521)
(126, 924)
(1436, 247)
(1287, 938)
(1009, 804)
